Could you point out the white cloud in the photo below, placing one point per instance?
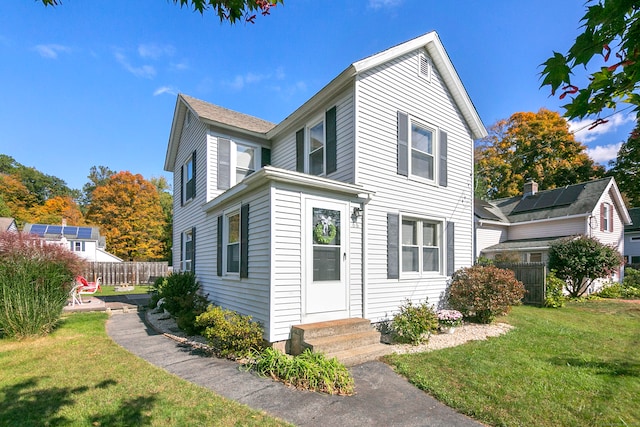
(165, 89)
(155, 51)
(146, 71)
(580, 128)
(379, 4)
(240, 81)
(603, 153)
(51, 51)
(179, 66)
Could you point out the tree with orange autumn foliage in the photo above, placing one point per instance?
(16, 197)
(531, 146)
(127, 210)
(54, 210)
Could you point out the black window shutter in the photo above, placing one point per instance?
(181, 249)
(224, 163)
(219, 247)
(331, 140)
(300, 150)
(403, 144)
(244, 241)
(193, 249)
(443, 159)
(451, 251)
(265, 157)
(393, 253)
(182, 185)
(193, 176)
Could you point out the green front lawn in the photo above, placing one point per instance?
(108, 291)
(78, 376)
(575, 366)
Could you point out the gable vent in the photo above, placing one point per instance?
(424, 67)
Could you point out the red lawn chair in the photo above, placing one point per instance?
(86, 288)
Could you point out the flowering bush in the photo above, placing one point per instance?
(449, 318)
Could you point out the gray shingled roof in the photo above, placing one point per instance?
(524, 244)
(217, 114)
(634, 213)
(587, 196)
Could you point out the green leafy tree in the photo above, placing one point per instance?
(166, 202)
(98, 175)
(580, 261)
(227, 10)
(127, 209)
(611, 32)
(626, 168)
(38, 184)
(531, 146)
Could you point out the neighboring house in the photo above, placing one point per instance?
(8, 224)
(356, 202)
(632, 238)
(522, 228)
(86, 242)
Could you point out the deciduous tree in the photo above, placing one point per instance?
(54, 210)
(609, 45)
(98, 175)
(626, 168)
(580, 261)
(127, 209)
(166, 202)
(531, 146)
(227, 10)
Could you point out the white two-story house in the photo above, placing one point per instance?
(361, 199)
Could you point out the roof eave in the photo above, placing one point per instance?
(174, 134)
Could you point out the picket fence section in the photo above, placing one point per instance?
(534, 278)
(132, 273)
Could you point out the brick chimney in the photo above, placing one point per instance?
(530, 188)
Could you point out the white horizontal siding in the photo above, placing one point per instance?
(489, 235)
(541, 229)
(283, 153)
(381, 93)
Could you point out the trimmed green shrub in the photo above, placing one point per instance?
(631, 278)
(414, 323)
(484, 292)
(35, 280)
(580, 261)
(554, 297)
(611, 290)
(229, 333)
(181, 299)
(628, 289)
(309, 371)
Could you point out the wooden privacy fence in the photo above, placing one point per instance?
(534, 278)
(132, 273)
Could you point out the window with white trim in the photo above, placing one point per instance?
(187, 250)
(422, 158)
(231, 243)
(188, 179)
(245, 161)
(77, 246)
(607, 216)
(421, 246)
(534, 257)
(316, 149)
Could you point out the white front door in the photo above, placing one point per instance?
(326, 241)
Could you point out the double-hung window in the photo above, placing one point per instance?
(188, 250)
(422, 158)
(316, 149)
(236, 161)
(421, 246)
(189, 178)
(245, 161)
(606, 217)
(232, 243)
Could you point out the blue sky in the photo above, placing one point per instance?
(94, 82)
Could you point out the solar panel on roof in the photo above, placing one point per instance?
(38, 229)
(570, 195)
(526, 204)
(54, 229)
(548, 199)
(84, 232)
(70, 231)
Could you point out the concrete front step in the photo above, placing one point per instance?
(356, 356)
(332, 328)
(342, 342)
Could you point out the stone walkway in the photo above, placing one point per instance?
(382, 397)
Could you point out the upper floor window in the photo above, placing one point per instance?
(316, 149)
(422, 151)
(189, 178)
(606, 217)
(316, 145)
(421, 246)
(77, 246)
(236, 161)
